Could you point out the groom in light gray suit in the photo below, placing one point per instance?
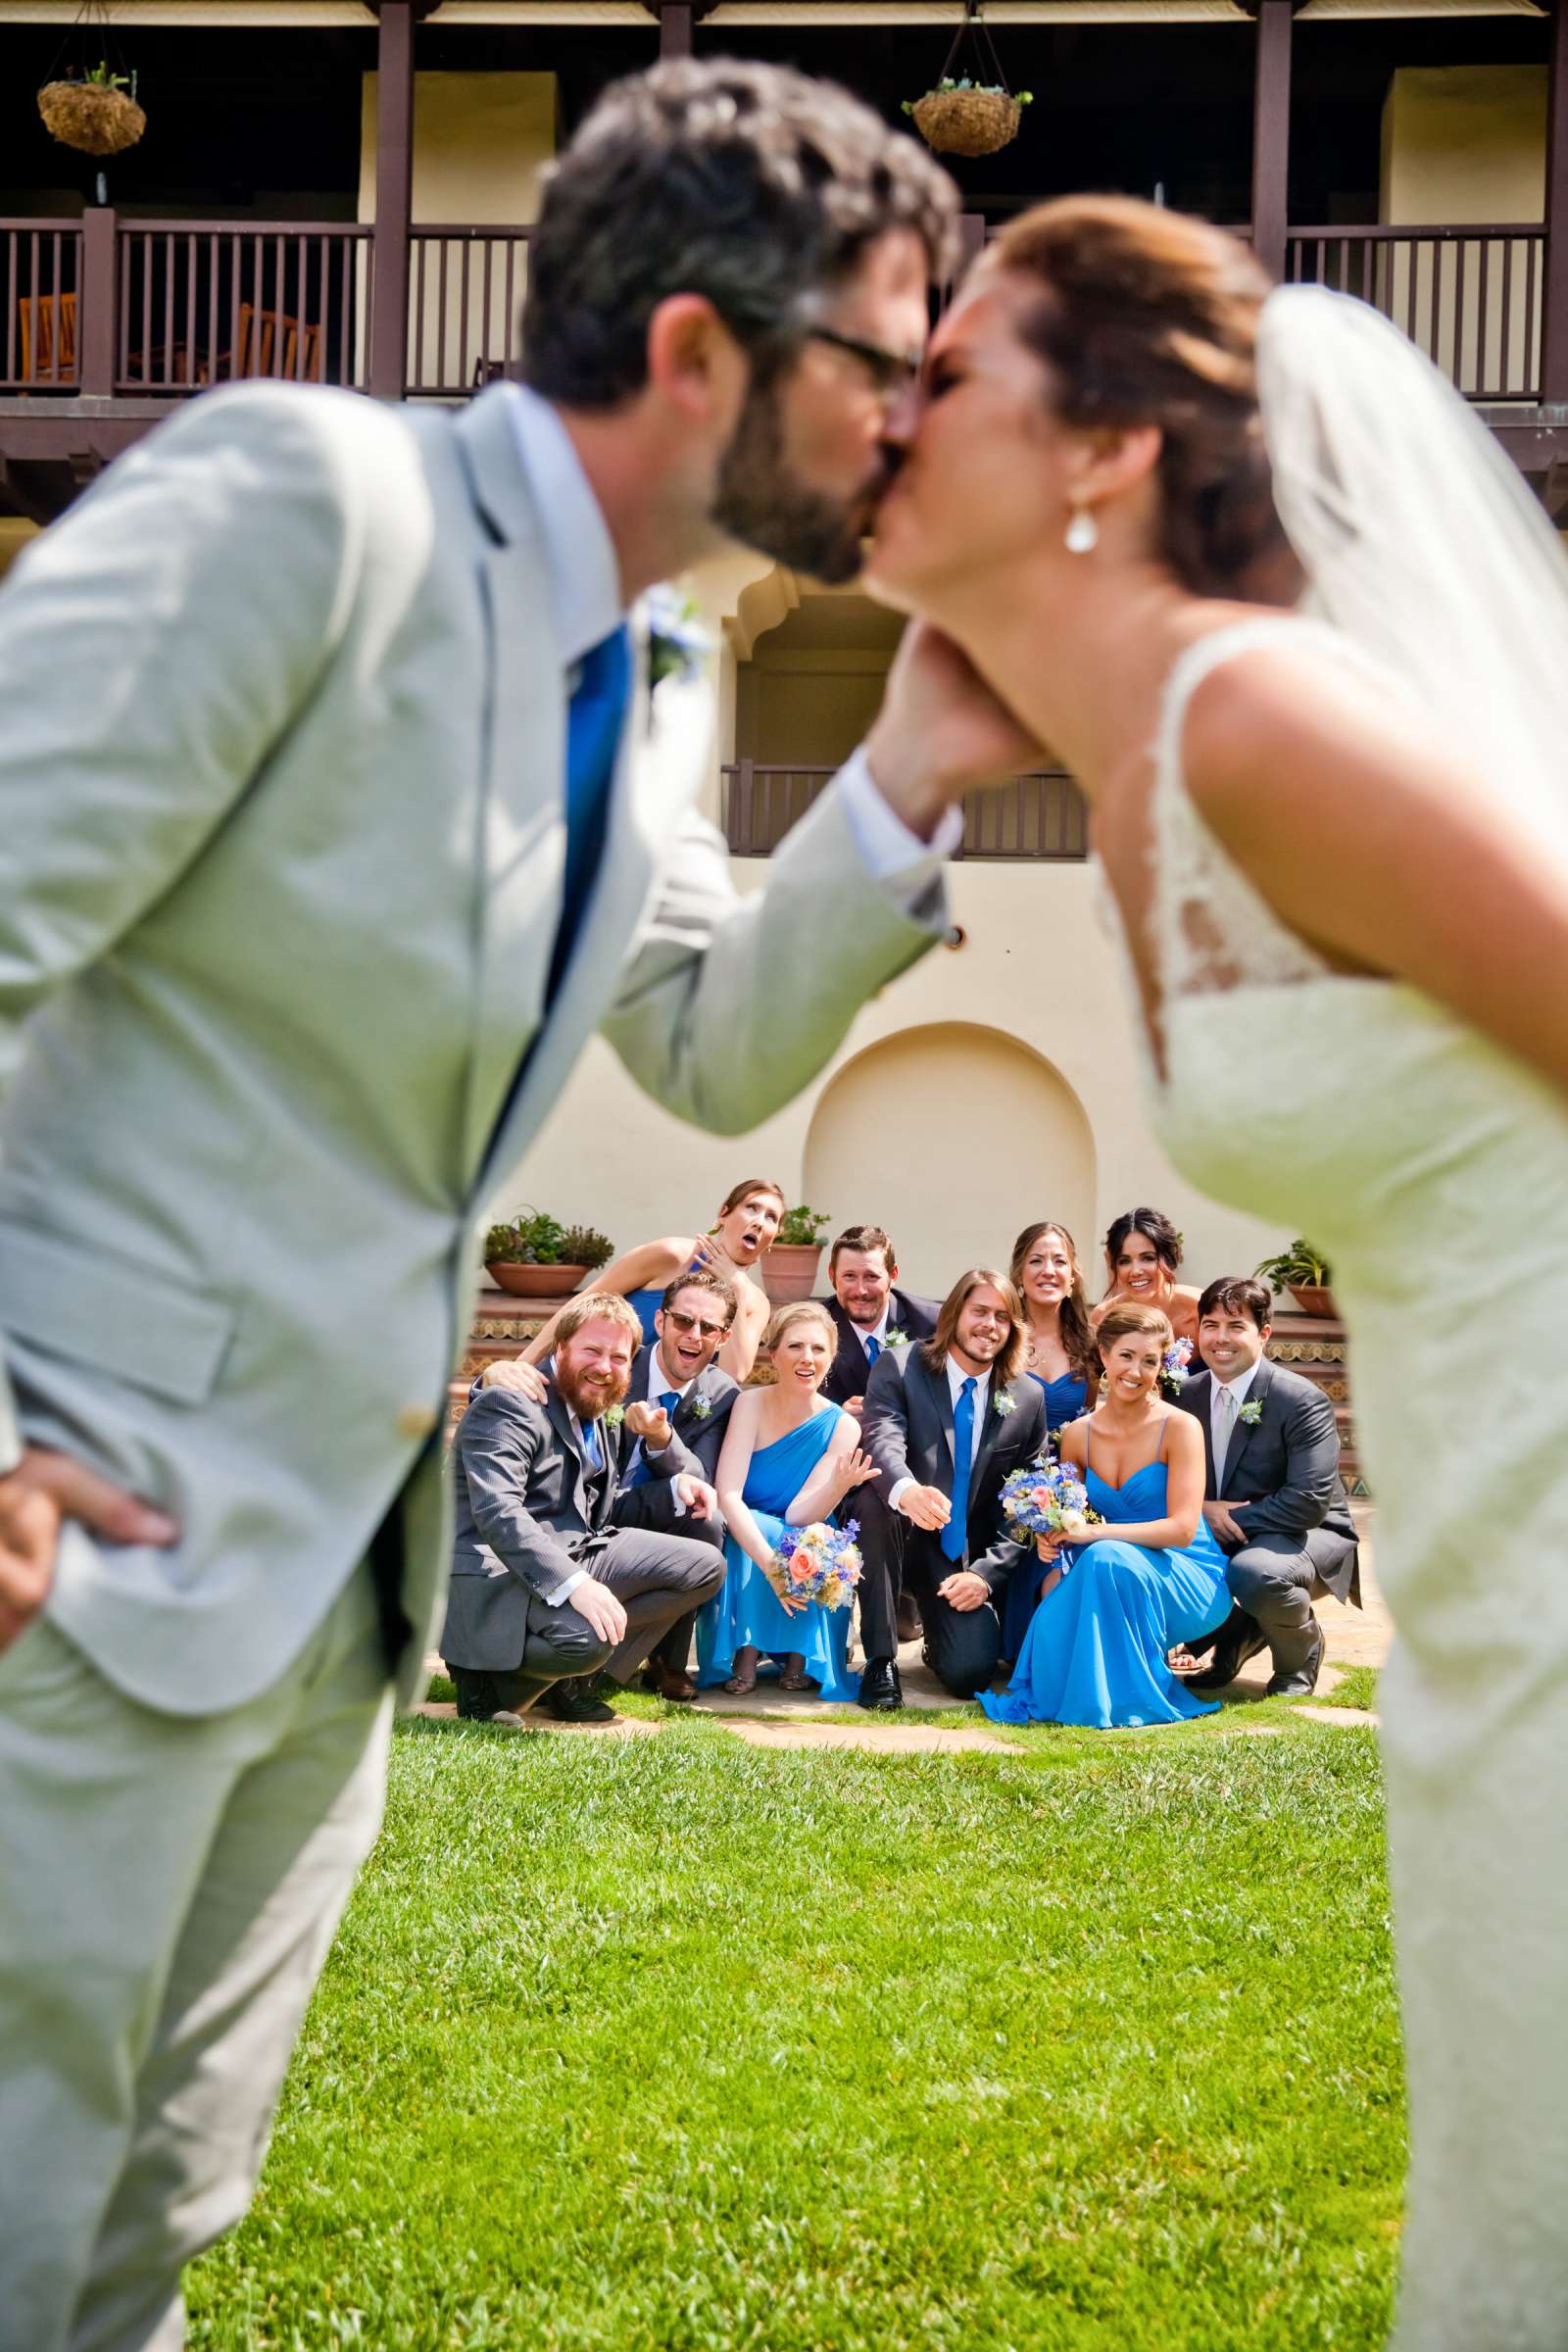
(327, 839)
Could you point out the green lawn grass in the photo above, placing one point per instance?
(669, 2042)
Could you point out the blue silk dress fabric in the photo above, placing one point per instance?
(1095, 1652)
(746, 1610)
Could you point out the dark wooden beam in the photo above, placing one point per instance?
(394, 197)
(1554, 291)
(677, 19)
(1271, 133)
(99, 302)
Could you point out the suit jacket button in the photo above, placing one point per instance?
(416, 1421)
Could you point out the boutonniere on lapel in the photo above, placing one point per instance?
(677, 645)
(895, 1338)
(1002, 1403)
(613, 1416)
(702, 1406)
(1251, 1411)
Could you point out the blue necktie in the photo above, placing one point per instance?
(955, 1534)
(642, 1475)
(594, 722)
(873, 1348)
(593, 1452)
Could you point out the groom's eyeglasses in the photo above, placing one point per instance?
(891, 374)
(685, 1322)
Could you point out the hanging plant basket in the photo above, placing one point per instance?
(92, 117)
(968, 122)
(965, 116)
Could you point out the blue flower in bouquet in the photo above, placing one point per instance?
(819, 1563)
(1048, 1498)
(1173, 1366)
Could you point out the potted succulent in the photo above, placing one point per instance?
(1305, 1274)
(969, 117)
(96, 114)
(535, 1257)
(789, 1270)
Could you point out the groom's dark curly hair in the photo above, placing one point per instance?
(747, 183)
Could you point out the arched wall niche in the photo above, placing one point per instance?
(953, 1136)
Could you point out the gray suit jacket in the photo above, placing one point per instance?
(700, 1419)
(1286, 1466)
(282, 774)
(908, 1434)
(525, 1516)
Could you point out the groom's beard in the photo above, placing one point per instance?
(760, 502)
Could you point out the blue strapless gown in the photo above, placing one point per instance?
(746, 1608)
(1065, 1400)
(1095, 1651)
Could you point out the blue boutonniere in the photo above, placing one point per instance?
(613, 1416)
(702, 1406)
(1003, 1403)
(1251, 1411)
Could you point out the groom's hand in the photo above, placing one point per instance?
(599, 1607)
(940, 731)
(43, 1490)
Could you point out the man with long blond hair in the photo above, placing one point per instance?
(545, 1594)
(944, 1423)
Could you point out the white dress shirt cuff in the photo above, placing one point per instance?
(900, 1487)
(906, 866)
(564, 1592)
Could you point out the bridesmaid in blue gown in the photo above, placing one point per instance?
(789, 1458)
(1061, 1350)
(1096, 1648)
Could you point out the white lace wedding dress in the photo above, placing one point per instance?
(1432, 1170)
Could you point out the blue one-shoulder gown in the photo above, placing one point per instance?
(1095, 1652)
(1065, 1400)
(746, 1610)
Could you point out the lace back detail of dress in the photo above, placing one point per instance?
(1211, 930)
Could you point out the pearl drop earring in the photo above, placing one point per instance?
(1083, 532)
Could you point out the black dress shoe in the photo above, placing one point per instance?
(881, 1693)
(574, 1702)
(1240, 1637)
(1302, 1681)
(910, 1627)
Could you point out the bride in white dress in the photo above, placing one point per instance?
(1337, 849)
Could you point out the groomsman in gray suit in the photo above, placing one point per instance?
(335, 821)
(547, 1592)
(1277, 1502)
(677, 1409)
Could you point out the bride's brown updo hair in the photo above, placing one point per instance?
(1146, 316)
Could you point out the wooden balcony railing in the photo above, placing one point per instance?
(107, 308)
(40, 269)
(1036, 817)
(1472, 298)
(465, 289)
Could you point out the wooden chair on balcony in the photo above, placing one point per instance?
(260, 338)
(48, 337)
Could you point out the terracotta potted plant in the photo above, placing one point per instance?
(97, 114)
(535, 1257)
(789, 1270)
(1305, 1275)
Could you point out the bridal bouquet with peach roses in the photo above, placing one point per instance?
(820, 1563)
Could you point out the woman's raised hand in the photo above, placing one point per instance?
(854, 1471)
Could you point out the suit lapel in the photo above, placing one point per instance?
(990, 1436)
(1245, 1430)
(941, 1398)
(1200, 1409)
(562, 1423)
(524, 818)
